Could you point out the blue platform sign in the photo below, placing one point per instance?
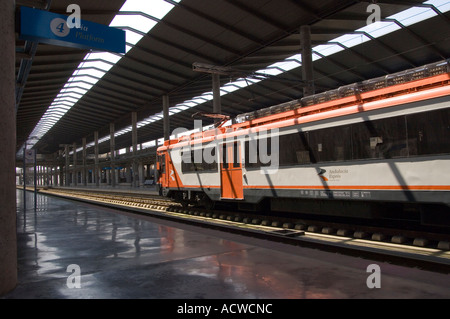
(51, 28)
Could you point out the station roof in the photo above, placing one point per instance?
(258, 38)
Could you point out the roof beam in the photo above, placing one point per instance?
(214, 20)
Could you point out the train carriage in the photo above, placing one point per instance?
(375, 149)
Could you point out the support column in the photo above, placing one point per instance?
(66, 168)
(61, 171)
(128, 165)
(134, 143)
(97, 174)
(217, 106)
(8, 240)
(166, 117)
(84, 177)
(74, 171)
(112, 145)
(141, 173)
(55, 172)
(307, 64)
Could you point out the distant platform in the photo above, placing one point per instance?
(146, 190)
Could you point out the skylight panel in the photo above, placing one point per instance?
(380, 28)
(155, 8)
(106, 56)
(414, 15)
(328, 49)
(135, 21)
(132, 37)
(95, 64)
(90, 79)
(68, 99)
(351, 40)
(83, 85)
(283, 66)
(76, 89)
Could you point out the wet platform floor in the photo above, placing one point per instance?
(120, 256)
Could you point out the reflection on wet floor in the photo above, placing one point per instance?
(125, 257)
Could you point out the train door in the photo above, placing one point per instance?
(161, 170)
(164, 171)
(231, 172)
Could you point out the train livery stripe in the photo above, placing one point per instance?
(353, 187)
(359, 187)
(202, 186)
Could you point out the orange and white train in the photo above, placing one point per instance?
(375, 149)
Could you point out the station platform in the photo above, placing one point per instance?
(147, 190)
(73, 250)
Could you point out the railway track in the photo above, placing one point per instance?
(405, 246)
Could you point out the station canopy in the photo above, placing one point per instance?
(65, 94)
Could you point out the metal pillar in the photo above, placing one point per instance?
(66, 168)
(166, 117)
(141, 173)
(217, 106)
(55, 172)
(307, 64)
(24, 178)
(134, 143)
(74, 171)
(35, 180)
(128, 173)
(112, 145)
(61, 171)
(84, 177)
(96, 168)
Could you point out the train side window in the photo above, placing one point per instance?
(258, 153)
(187, 162)
(251, 155)
(385, 138)
(429, 133)
(225, 159)
(209, 155)
(236, 159)
(295, 149)
(163, 164)
(331, 144)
